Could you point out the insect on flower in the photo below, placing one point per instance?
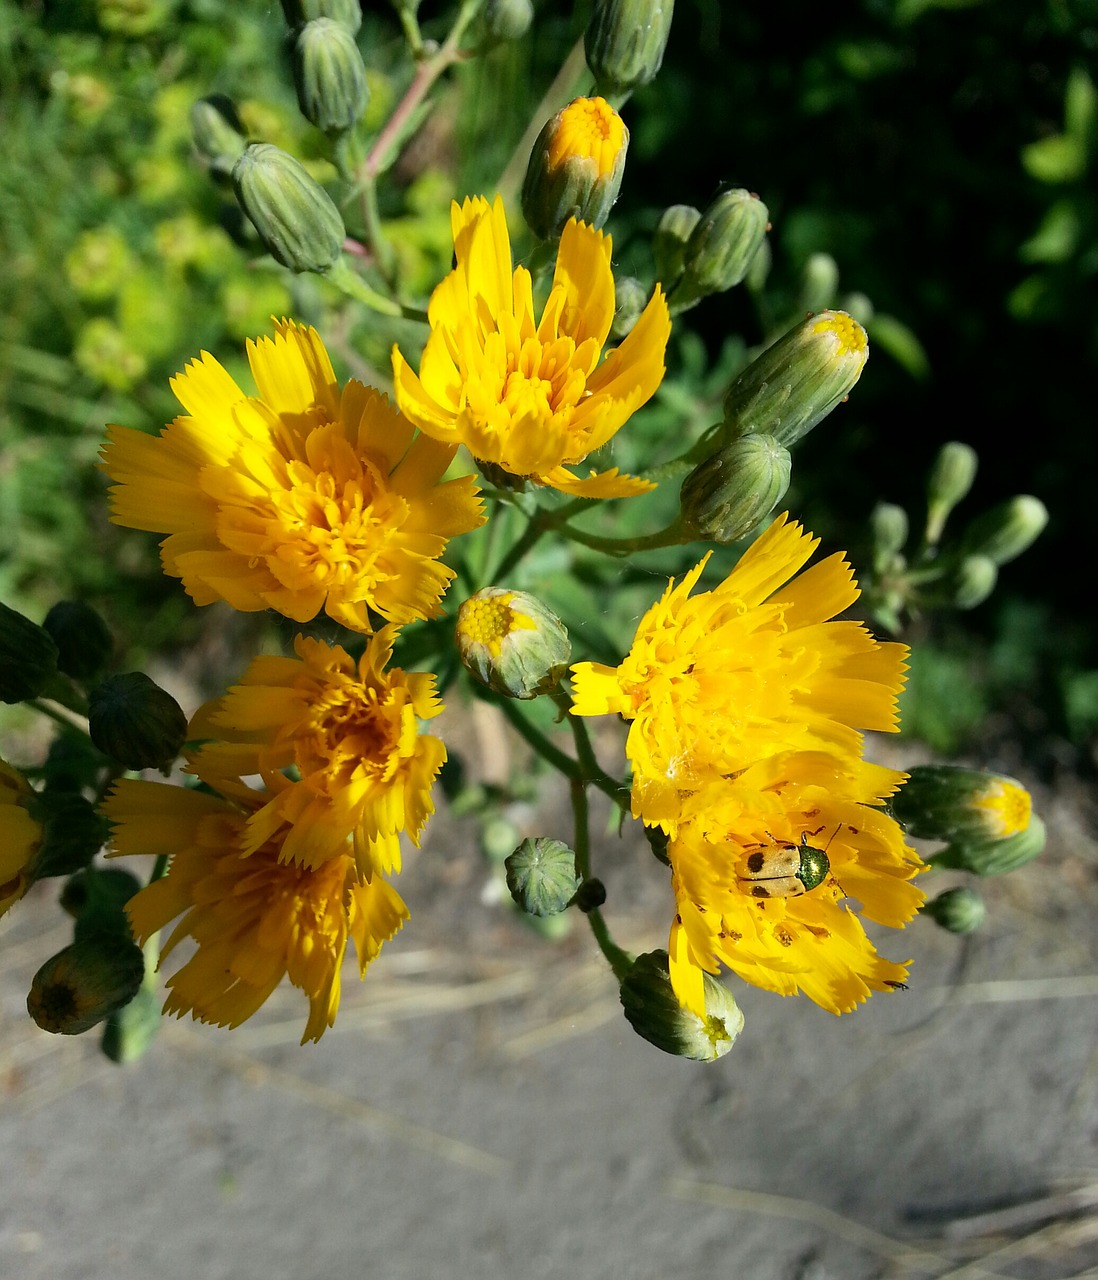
(785, 870)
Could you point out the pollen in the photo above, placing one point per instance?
(850, 337)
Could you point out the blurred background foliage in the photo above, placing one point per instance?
(928, 165)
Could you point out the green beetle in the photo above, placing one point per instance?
(785, 870)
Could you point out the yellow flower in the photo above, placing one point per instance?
(20, 837)
(349, 734)
(254, 919)
(301, 499)
(719, 680)
(531, 396)
(738, 905)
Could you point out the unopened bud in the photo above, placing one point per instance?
(503, 20)
(330, 76)
(796, 382)
(624, 42)
(654, 1012)
(542, 877)
(948, 483)
(889, 525)
(218, 132)
(721, 247)
(298, 12)
(967, 582)
(72, 833)
(28, 657)
(296, 218)
(730, 494)
(669, 241)
(512, 643)
(575, 168)
(85, 983)
(84, 642)
(630, 299)
(97, 897)
(1007, 530)
(958, 910)
(949, 802)
(994, 857)
(134, 721)
(819, 282)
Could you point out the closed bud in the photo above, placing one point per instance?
(84, 642)
(730, 494)
(796, 382)
(819, 282)
(72, 833)
(296, 218)
(624, 42)
(994, 857)
(575, 168)
(503, 20)
(28, 657)
(949, 802)
(958, 910)
(84, 984)
(630, 299)
(889, 526)
(966, 583)
(134, 721)
(948, 483)
(654, 1012)
(329, 76)
(218, 132)
(97, 897)
(542, 876)
(298, 12)
(1007, 530)
(721, 247)
(20, 836)
(512, 643)
(669, 241)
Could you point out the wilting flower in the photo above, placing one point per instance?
(529, 396)
(20, 837)
(743, 901)
(254, 919)
(361, 768)
(299, 499)
(719, 680)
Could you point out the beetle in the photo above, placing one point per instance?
(784, 869)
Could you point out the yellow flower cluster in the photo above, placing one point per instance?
(747, 705)
(309, 497)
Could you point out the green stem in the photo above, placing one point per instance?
(72, 720)
(672, 536)
(620, 961)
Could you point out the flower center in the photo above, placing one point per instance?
(590, 130)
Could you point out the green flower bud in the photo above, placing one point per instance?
(97, 897)
(1007, 530)
(654, 1012)
(819, 282)
(85, 983)
(503, 20)
(624, 42)
(994, 857)
(575, 168)
(329, 76)
(218, 132)
(28, 657)
(967, 582)
(130, 1031)
(889, 526)
(84, 642)
(731, 493)
(590, 895)
(512, 643)
(73, 764)
(669, 241)
(630, 299)
(949, 481)
(542, 877)
(721, 247)
(298, 12)
(135, 722)
(72, 833)
(796, 383)
(958, 910)
(295, 217)
(948, 802)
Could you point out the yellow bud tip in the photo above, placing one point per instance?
(1007, 807)
(849, 335)
(489, 620)
(590, 129)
